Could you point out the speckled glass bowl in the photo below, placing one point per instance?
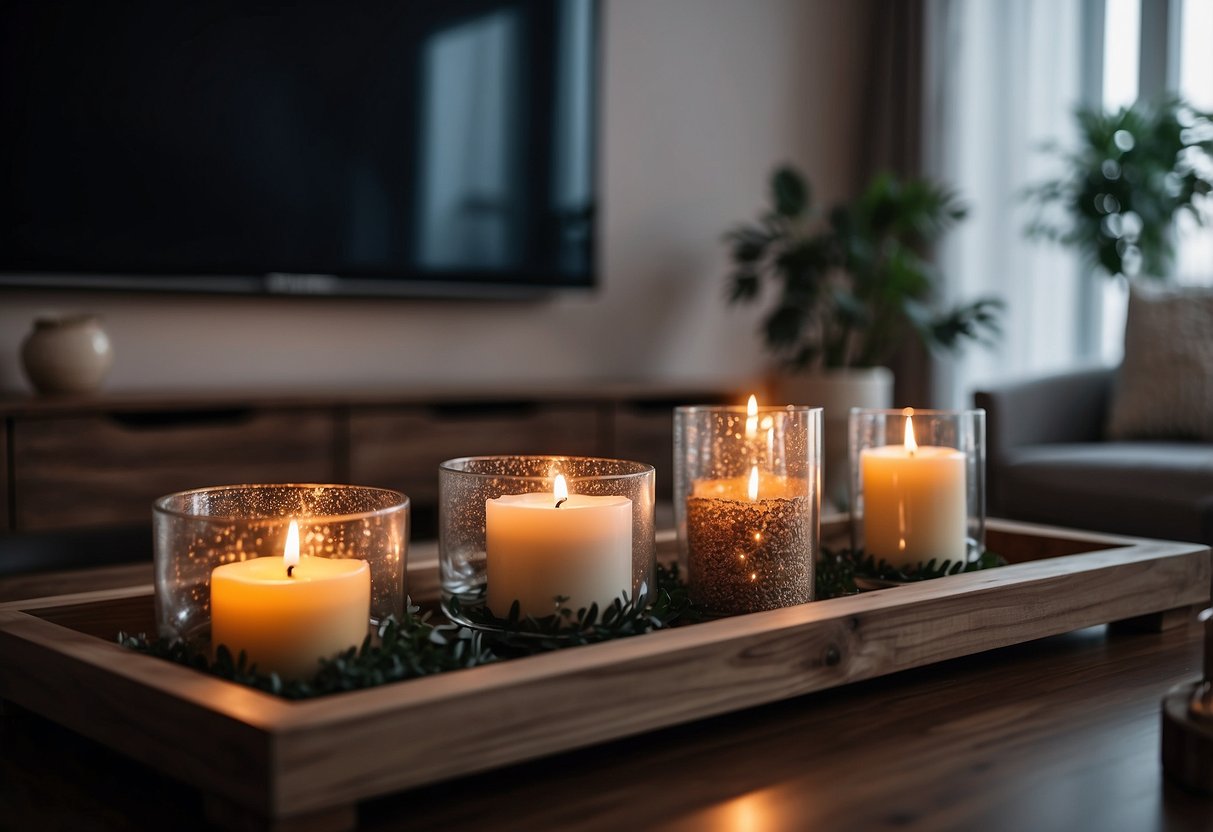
(467, 483)
(197, 530)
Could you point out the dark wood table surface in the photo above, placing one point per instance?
(1057, 734)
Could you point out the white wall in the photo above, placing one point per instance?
(701, 98)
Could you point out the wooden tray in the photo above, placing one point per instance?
(274, 762)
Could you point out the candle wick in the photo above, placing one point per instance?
(561, 500)
(290, 571)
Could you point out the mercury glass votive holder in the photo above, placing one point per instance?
(747, 502)
(918, 484)
(197, 531)
(507, 536)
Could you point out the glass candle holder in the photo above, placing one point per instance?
(507, 536)
(747, 501)
(918, 484)
(207, 529)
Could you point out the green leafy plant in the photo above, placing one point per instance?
(1134, 171)
(852, 285)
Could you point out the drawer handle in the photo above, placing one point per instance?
(180, 418)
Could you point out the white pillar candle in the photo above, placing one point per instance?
(542, 545)
(287, 613)
(914, 502)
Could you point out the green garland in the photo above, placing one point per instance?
(516, 635)
(413, 646)
(840, 572)
(407, 649)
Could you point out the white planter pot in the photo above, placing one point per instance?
(837, 391)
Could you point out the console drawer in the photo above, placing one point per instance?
(401, 448)
(105, 470)
(644, 432)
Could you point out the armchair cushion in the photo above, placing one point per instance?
(1164, 389)
(1049, 462)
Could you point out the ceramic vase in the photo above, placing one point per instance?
(66, 355)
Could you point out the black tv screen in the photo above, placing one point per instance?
(368, 146)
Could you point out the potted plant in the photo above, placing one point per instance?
(850, 287)
(1134, 171)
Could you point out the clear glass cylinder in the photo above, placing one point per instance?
(918, 484)
(197, 531)
(502, 537)
(747, 501)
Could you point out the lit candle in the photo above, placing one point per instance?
(757, 483)
(914, 501)
(751, 418)
(548, 544)
(746, 542)
(287, 613)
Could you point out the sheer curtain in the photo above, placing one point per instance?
(1003, 78)
(1195, 65)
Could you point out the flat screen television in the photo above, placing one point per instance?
(360, 147)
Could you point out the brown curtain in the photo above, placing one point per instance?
(892, 141)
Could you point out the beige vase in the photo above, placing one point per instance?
(66, 355)
(837, 391)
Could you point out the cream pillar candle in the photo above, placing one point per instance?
(914, 502)
(287, 613)
(543, 545)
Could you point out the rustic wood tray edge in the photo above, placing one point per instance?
(299, 758)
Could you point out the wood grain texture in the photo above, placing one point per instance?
(94, 461)
(77, 472)
(1052, 736)
(643, 430)
(139, 710)
(401, 448)
(44, 584)
(1056, 735)
(336, 750)
(418, 395)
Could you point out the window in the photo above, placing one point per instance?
(1187, 67)
(1005, 78)
(1195, 83)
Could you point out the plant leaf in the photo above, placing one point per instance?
(789, 192)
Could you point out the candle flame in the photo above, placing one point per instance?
(560, 490)
(290, 552)
(753, 489)
(751, 416)
(911, 444)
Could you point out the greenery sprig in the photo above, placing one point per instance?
(413, 646)
(406, 649)
(839, 572)
(516, 635)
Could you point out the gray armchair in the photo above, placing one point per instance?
(1048, 462)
